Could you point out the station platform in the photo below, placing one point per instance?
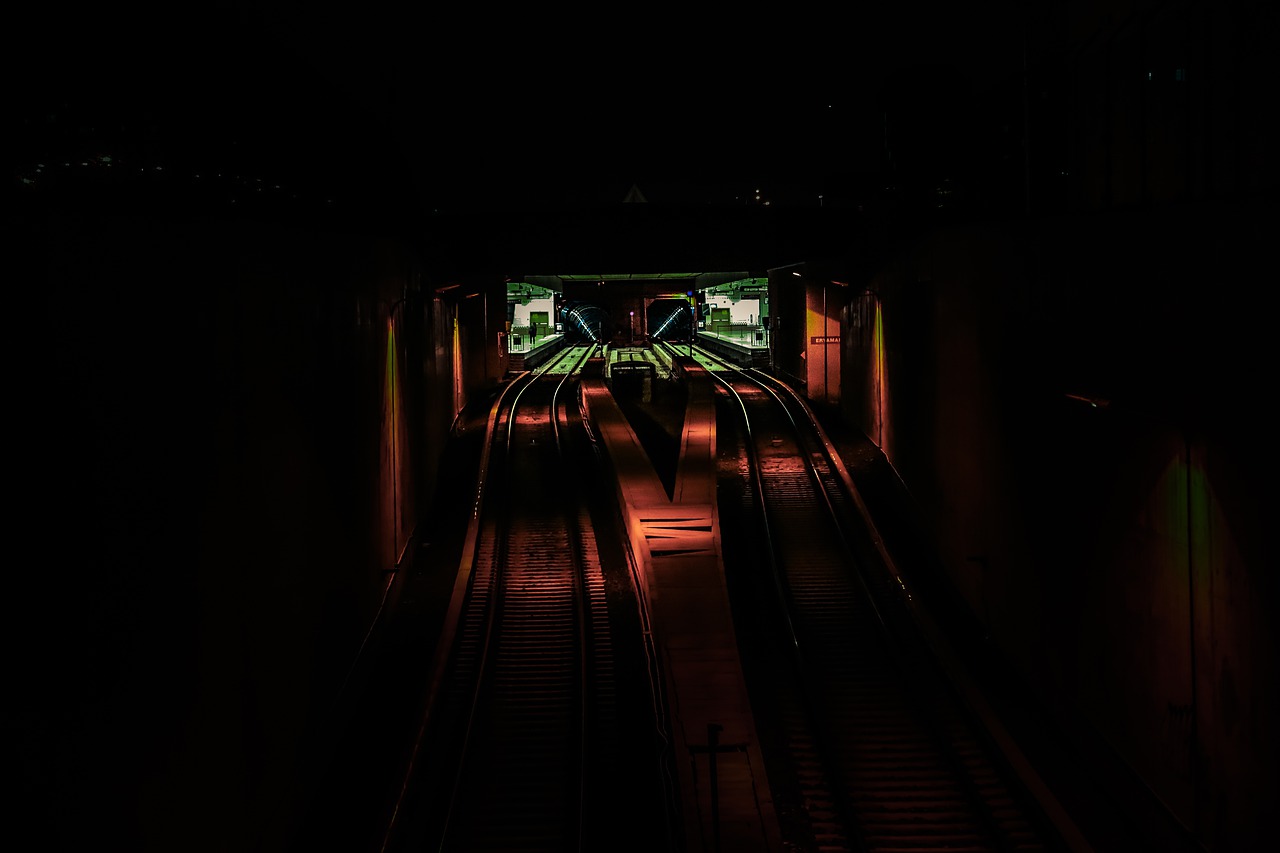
(745, 346)
(529, 356)
(676, 542)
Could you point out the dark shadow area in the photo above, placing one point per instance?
(658, 422)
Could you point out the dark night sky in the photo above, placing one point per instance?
(476, 108)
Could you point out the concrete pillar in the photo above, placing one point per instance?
(822, 340)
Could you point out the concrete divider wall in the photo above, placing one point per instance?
(636, 481)
(676, 541)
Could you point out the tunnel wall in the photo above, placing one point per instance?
(1077, 407)
(226, 431)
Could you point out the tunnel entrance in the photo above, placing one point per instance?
(584, 322)
(670, 320)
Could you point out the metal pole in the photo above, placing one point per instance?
(713, 744)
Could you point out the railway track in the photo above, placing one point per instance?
(867, 744)
(528, 735)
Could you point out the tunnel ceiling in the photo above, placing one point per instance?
(634, 242)
(607, 277)
(655, 282)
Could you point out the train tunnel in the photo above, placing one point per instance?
(585, 322)
(242, 416)
(664, 318)
(671, 319)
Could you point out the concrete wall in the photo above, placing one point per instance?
(1079, 408)
(788, 345)
(521, 319)
(225, 433)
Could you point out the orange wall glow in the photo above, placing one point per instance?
(879, 374)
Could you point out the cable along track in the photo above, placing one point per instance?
(869, 747)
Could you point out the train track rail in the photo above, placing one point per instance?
(868, 745)
(523, 740)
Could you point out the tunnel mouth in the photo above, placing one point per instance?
(670, 320)
(583, 322)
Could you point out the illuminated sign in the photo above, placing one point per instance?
(825, 339)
